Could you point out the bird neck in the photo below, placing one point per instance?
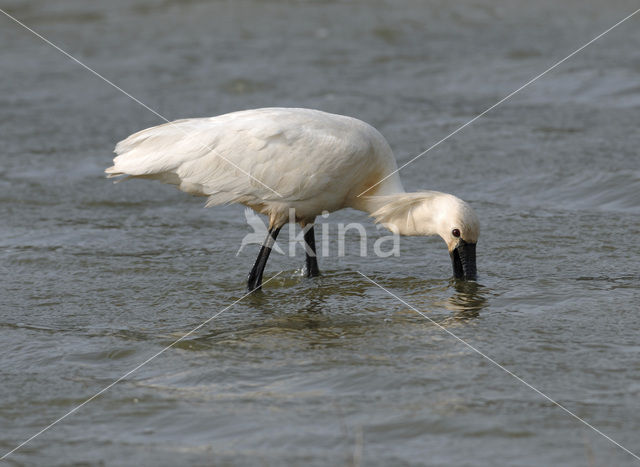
(371, 204)
(418, 213)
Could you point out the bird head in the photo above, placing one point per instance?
(435, 213)
(460, 229)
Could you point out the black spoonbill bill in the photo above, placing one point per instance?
(276, 159)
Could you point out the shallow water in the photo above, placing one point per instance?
(96, 277)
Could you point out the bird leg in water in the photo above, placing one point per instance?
(254, 280)
(310, 251)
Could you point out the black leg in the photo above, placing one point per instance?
(310, 250)
(254, 281)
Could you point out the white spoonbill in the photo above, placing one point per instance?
(277, 159)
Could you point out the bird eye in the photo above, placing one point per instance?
(455, 232)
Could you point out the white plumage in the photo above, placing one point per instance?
(301, 155)
(275, 159)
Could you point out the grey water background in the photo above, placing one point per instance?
(96, 277)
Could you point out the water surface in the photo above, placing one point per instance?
(96, 277)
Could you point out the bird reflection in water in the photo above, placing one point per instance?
(468, 299)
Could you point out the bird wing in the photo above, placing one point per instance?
(263, 154)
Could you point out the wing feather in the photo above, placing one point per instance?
(263, 154)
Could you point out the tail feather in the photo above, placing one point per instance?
(203, 156)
